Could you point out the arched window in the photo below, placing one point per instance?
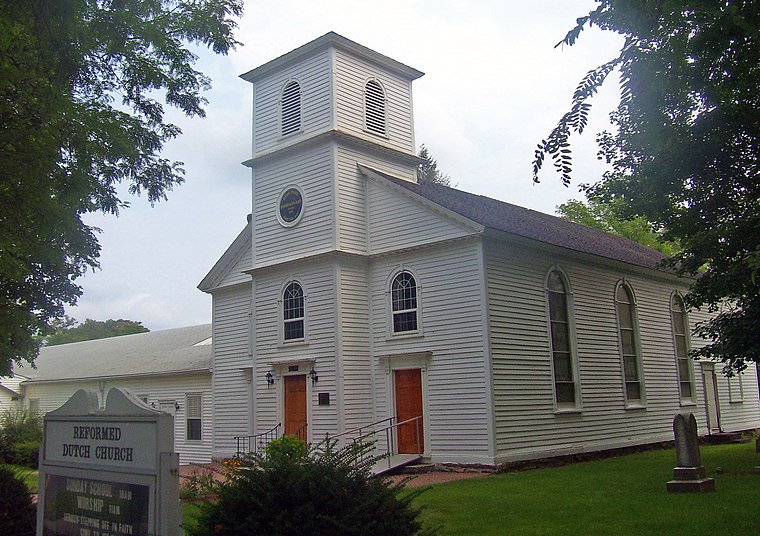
(290, 107)
(629, 344)
(374, 107)
(681, 342)
(404, 303)
(293, 312)
(563, 362)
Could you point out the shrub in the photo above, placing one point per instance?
(20, 436)
(198, 486)
(17, 511)
(26, 453)
(293, 489)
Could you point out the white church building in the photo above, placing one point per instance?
(357, 297)
(470, 330)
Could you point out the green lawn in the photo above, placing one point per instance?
(616, 496)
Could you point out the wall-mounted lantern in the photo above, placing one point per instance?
(270, 379)
(313, 375)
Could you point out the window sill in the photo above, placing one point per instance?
(687, 403)
(568, 411)
(405, 335)
(635, 407)
(736, 401)
(295, 343)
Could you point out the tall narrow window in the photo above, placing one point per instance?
(293, 312)
(562, 355)
(404, 303)
(194, 415)
(374, 107)
(290, 104)
(681, 341)
(629, 345)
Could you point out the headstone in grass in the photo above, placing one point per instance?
(689, 476)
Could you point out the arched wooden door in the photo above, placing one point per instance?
(408, 387)
(295, 405)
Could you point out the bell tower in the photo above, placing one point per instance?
(318, 111)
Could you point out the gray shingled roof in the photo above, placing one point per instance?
(154, 352)
(527, 223)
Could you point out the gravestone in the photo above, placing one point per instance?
(689, 475)
(108, 472)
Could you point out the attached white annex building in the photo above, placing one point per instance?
(356, 295)
(170, 370)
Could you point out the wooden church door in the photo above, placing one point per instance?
(408, 384)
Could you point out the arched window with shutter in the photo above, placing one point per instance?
(374, 107)
(629, 344)
(290, 108)
(564, 367)
(681, 344)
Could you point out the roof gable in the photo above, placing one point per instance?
(225, 266)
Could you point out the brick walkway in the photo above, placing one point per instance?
(428, 478)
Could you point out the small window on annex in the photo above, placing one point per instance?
(563, 362)
(290, 107)
(194, 411)
(374, 107)
(629, 344)
(681, 341)
(404, 303)
(293, 312)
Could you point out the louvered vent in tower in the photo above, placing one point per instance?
(291, 108)
(374, 107)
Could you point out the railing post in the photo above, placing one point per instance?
(417, 428)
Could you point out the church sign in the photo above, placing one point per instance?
(108, 472)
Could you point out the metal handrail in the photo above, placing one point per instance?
(389, 436)
(328, 437)
(259, 441)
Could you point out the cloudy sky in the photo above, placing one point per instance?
(494, 86)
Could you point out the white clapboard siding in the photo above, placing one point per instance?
(450, 301)
(356, 370)
(736, 412)
(351, 74)
(398, 221)
(231, 366)
(313, 75)
(318, 350)
(527, 425)
(352, 195)
(310, 169)
(170, 389)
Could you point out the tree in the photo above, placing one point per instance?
(94, 329)
(608, 217)
(80, 83)
(686, 153)
(428, 171)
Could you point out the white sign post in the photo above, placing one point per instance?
(108, 472)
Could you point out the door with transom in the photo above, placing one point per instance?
(295, 406)
(408, 389)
